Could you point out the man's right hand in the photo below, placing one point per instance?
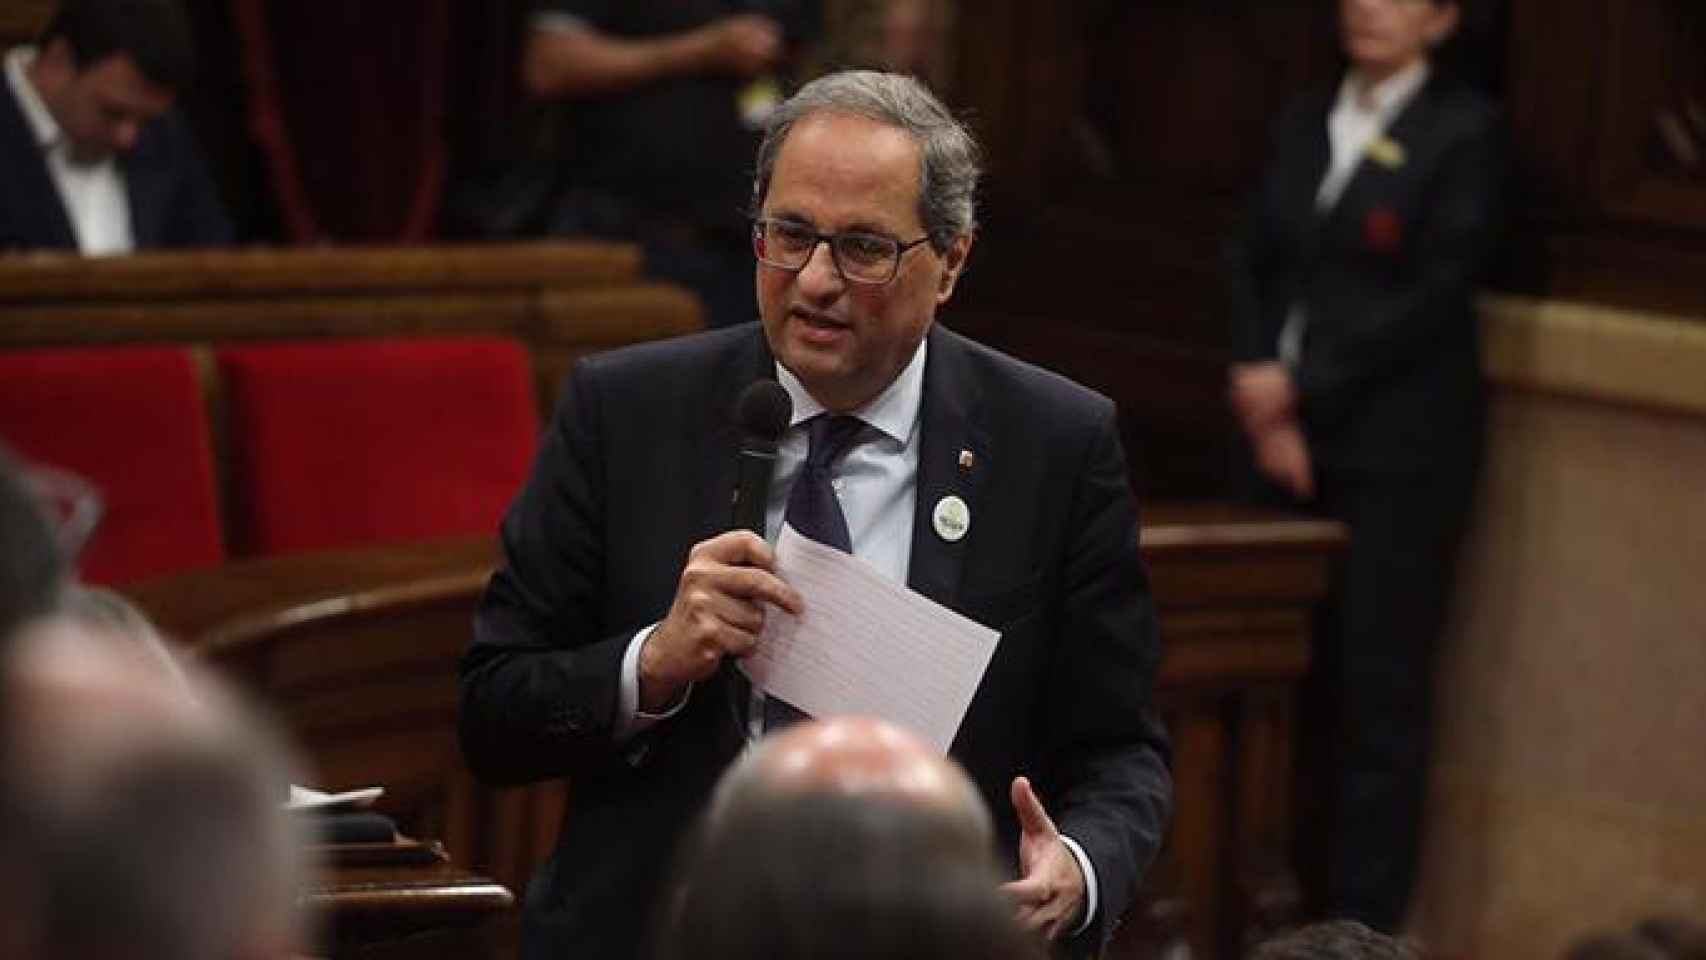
(718, 611)
(745, 45)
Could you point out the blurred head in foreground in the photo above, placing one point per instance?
(1655, 938)
(842, 838)
(150, 803)
(31, 564)
(1335, 940)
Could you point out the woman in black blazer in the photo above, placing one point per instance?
(1357, 383)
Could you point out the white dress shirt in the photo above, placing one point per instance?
(93, 193)
(1359, 118)
(874, 480)
(876, 483)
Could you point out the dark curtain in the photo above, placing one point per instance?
(347, 104)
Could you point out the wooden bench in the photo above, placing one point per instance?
(562, 299)
(558, 300)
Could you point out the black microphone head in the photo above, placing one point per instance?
(763, 412)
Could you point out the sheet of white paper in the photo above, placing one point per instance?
(867, 645)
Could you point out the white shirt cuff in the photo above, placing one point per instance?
(630, 719)
(1091, 899)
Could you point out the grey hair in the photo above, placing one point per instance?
(947, 196)
(100, 608)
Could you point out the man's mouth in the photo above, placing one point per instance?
(815, 321)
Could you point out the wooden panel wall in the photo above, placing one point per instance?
(1122, 139)
(1606, 107)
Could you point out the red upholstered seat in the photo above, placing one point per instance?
(132, 421)
(347, 442)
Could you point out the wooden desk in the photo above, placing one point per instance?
(361, 909)
(357, 651)
(1234, 589)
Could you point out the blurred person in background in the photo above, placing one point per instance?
(95, 157)
(1357, 382)
(658, 110)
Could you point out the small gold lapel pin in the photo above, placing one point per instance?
(1387, 152)
(966, 461)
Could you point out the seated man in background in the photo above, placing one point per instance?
(149, 822)
(843, 838)
(95, 158)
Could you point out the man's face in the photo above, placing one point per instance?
(848, 341)
(103, 107)
(1385, 36)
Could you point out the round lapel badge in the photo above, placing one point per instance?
(952, 518)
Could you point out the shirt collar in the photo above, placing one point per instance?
(1388, 96)
(42, 125)
(894, 412)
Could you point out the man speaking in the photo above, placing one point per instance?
(602, 648)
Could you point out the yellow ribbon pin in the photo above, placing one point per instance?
(1387, 152)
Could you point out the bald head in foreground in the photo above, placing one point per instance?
(149, 802)
(840, 838)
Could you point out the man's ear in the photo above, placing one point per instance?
(953, 264)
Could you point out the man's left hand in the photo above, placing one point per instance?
(1050, 890)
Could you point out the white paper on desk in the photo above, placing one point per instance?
(867, 645)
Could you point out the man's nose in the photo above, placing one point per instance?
(819, 276)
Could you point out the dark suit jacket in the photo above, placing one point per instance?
(1390, 377)
(639, 464)
(173, 202)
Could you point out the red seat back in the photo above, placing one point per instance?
(132, 421)
(348, 442)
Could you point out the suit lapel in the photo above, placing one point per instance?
(949, 427)
(47, 222)
(145, 184)
(1407, 129)
(719, 433)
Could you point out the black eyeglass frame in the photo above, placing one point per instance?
(761, 226)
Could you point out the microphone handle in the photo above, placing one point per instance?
(752, 489)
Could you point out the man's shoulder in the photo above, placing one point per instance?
(679, 354)
(678, 373)
(1019, 388)
(1459, 111)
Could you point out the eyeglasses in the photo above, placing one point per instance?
(73, 505)
(859, 257)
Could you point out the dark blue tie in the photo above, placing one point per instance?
(815, 511)
(813, 508)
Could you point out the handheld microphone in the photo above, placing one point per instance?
(763, 412)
